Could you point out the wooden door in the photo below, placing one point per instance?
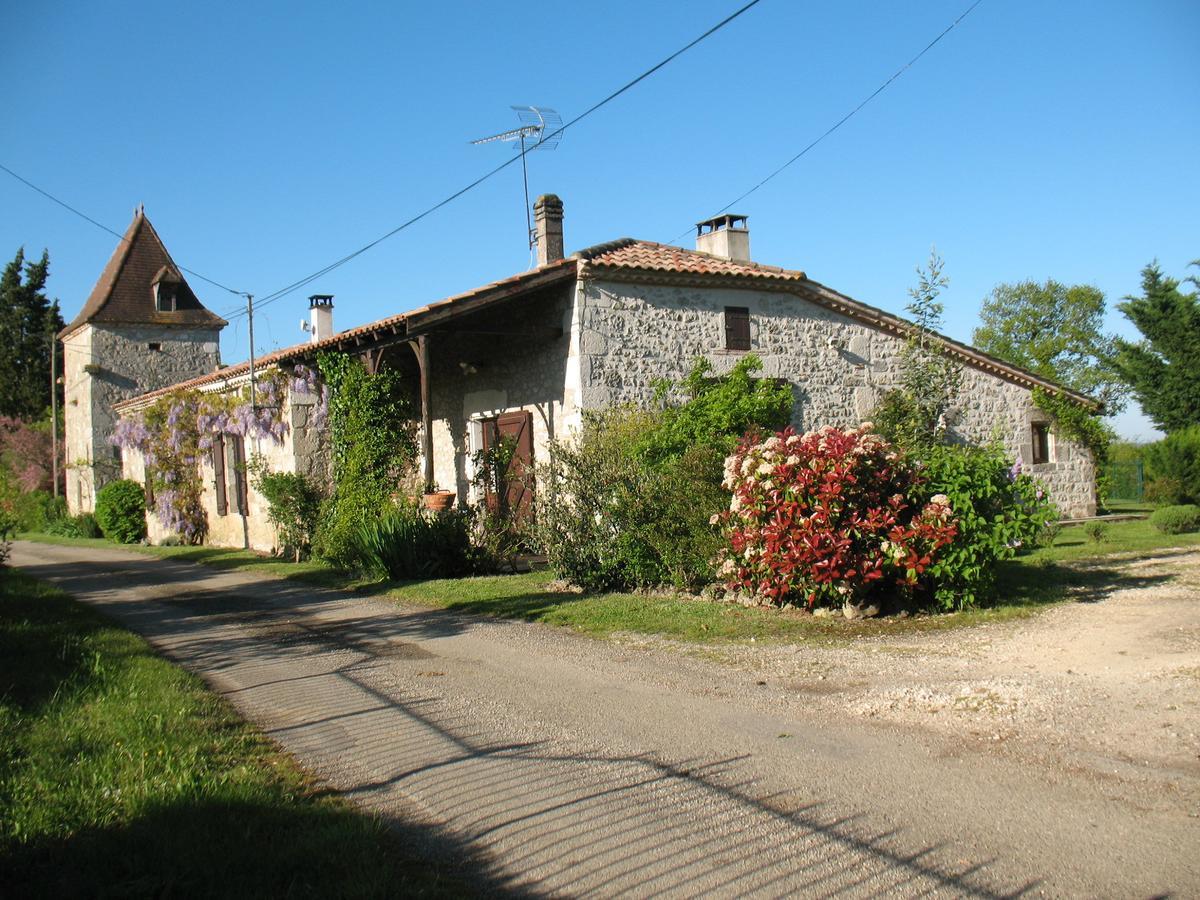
(517, 479)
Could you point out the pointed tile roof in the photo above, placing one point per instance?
(124, 295)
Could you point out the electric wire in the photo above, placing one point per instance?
(103, 227)
(842, 121)
(296, 285)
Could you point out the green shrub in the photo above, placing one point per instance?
(715, 411)
(83, 525)
(372, 440)
(294, 505)
(612, 521)
(999, 510)
(407, 542)
(121, 511)
(36, 510)
(1173, 466)
(1176, 519)
(1097, 532)
(8, 525)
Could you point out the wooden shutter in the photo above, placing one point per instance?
(1041, 443)
(237, 446)
(218, 461)
(737, 328)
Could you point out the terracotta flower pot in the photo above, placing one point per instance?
(439, 501)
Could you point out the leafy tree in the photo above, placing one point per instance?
(1164, 367)
(915, 414)
(1056, 331)
(28, 322)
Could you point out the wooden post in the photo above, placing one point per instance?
(422, 348)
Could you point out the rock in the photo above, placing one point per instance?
(858, 611)
(822, 612)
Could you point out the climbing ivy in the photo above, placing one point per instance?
(372, 440)
(1077, 423)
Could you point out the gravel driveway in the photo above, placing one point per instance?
(1055, 755)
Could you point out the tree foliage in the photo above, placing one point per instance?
(1054, 330)
(916, 414)
(28, 322)
(1164, 367)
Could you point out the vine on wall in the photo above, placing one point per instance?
(372, 440)
(175, 432)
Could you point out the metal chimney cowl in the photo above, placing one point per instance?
(320, 308)
(727, 236)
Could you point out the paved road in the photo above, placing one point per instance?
(567, 766)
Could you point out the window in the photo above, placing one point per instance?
(737, 328)
(164, 297)
(1041, 442)
(154, 345)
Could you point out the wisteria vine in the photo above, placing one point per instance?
(175, 433)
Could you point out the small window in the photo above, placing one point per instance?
(1041, 443)
(164, 297)
(737, 328)
(154, 345)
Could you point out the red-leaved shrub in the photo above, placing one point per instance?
(827, 517)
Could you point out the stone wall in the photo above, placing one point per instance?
(302, 450)
(633, 334)
(477, 379)
(104, 364)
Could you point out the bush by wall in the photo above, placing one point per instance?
(629, 502)
(293, 506)
(999, 509)
(372, 440)
(1176, 519)
(83, 525)
(614, 521)
(407, 542)
(121, 511)
(36, 510)
(829, 517)
(1173, 466)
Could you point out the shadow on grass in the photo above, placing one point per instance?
(243, 848)
(1022, 583)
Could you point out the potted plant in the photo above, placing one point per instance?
(437, 500)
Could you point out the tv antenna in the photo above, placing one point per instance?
(540, 129)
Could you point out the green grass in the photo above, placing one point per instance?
(1074, 567)
(121, 775)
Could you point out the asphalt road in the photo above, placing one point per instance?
(554, 764)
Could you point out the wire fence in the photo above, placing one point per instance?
(1126, 480)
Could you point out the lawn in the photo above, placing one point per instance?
(1072, 566)
(121, 775)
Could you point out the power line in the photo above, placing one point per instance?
(104, 227)
(843, 120)
(296, 285)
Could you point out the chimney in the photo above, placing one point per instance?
(548, 216)
(321, 317)
(727, 236)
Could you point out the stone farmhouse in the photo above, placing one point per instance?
(526, 356)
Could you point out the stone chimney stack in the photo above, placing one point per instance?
(548, 218)
(727, 236)
(321, 317)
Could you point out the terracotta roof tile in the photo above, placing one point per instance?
(648, 256)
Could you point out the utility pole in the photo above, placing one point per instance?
(250, 322)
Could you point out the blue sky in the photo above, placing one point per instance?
(266, 140)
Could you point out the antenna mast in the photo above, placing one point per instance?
(542, 123)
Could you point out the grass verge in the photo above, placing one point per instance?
(121, 775)
(1074, 566)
